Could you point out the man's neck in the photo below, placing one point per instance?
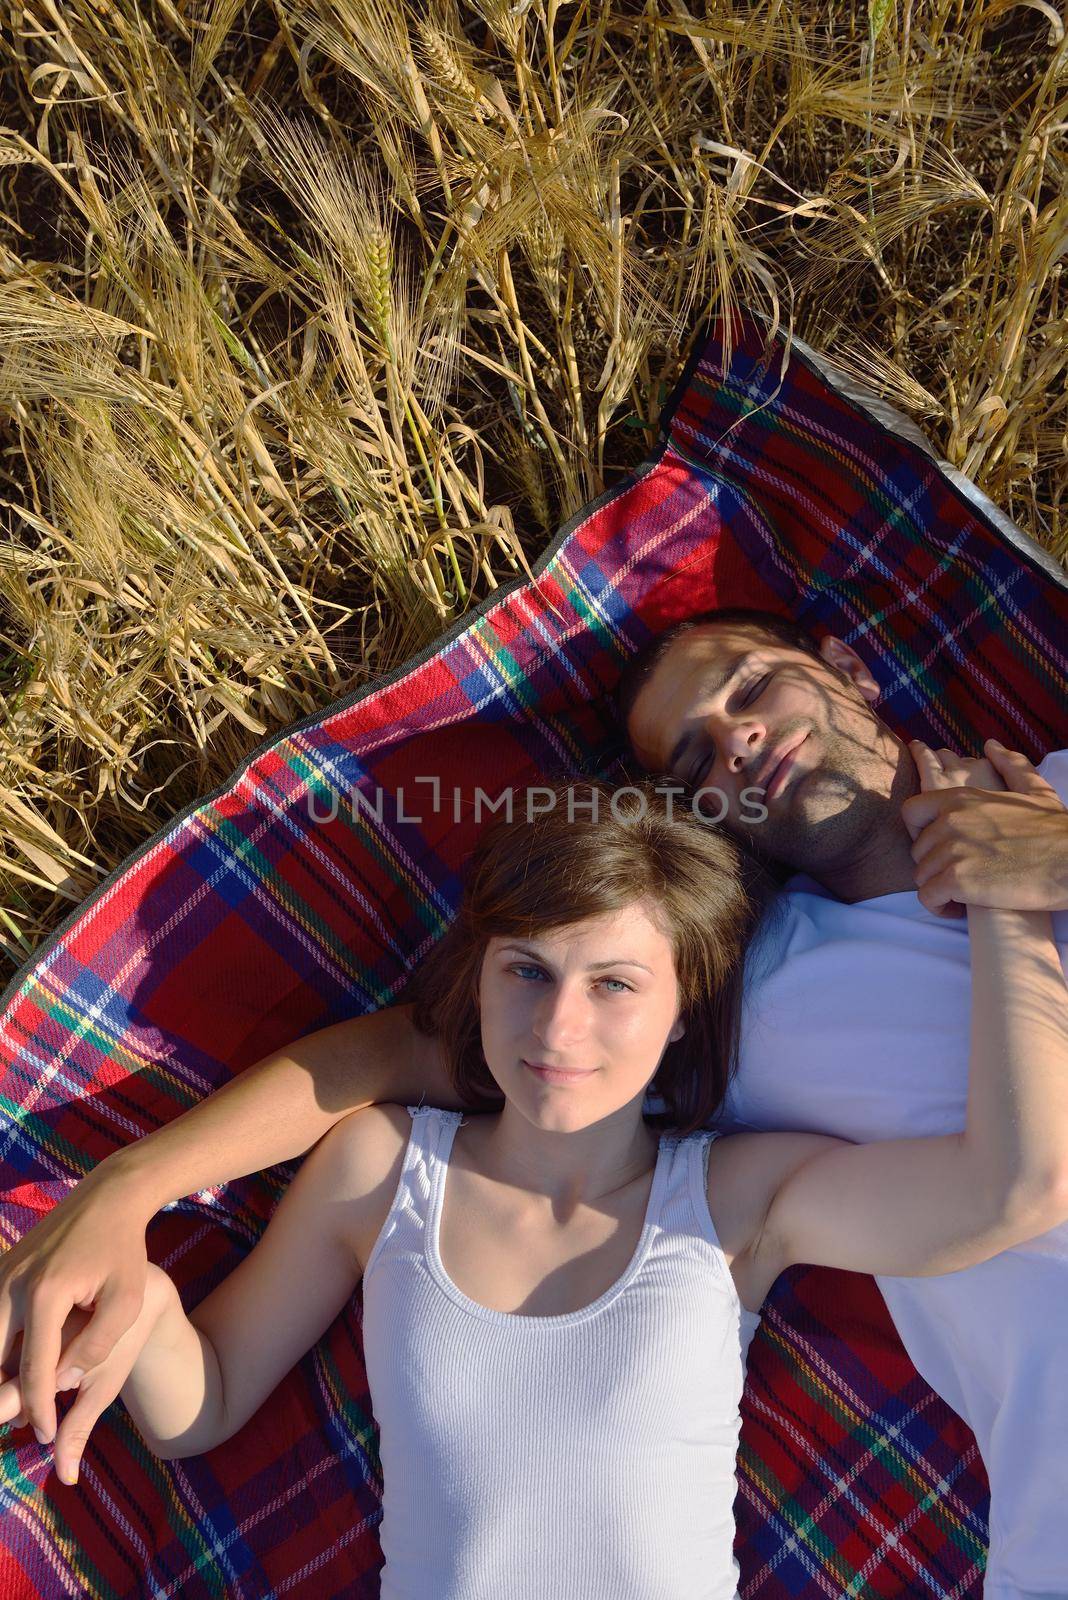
(880, 861)
(883, 866)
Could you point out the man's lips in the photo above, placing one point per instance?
(776, 770)
(557, 1074)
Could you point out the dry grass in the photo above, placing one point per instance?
(317, 320)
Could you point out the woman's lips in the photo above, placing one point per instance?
(556, 1074)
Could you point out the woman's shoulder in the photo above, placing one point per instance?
(360, 1159)
(746, 1172)
(371, 1136)
(361, 1162)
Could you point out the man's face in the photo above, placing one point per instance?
(764, 725)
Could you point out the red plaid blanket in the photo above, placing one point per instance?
(274, 906)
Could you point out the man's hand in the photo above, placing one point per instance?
(99, 1386)
(1006, 850)
(88, 1251)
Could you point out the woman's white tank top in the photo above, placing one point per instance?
(585, 1456)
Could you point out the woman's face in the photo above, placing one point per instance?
(574, 1022)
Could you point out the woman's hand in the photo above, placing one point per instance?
(951, 771)
(99, 1386)
(971, 846)
(89, 1251)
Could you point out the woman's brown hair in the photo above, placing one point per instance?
(552, 868)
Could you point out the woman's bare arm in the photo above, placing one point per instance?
(919, 1207)
(189, 1382)
(200, 1378)
(279, 1108)
(90, 1249)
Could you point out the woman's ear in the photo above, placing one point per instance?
(678, 1028)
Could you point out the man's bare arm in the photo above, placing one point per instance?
(90, 1249)
(279, 1108)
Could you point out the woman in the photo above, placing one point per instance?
(557, 1299)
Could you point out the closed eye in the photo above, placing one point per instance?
(701, 768)
(756, 688)
(753, 690)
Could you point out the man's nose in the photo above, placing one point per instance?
(561, 1017)
(739, 739)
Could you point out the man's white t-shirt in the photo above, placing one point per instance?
(857, 1024)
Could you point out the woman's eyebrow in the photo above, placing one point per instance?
(594, 966)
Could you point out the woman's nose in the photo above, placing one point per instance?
(561, 1018)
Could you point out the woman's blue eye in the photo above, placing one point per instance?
(520, 969)
(527, 969)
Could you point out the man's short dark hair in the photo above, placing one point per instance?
(640, 668)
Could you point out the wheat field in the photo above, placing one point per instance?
(317, 320)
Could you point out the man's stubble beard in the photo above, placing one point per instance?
(834, 811)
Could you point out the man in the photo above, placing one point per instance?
(780, 734)
(857, 1005)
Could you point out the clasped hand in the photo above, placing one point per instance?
(98, 1387)
(986, 833)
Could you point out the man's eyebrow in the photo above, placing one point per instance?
(594, 966)
(712, 686)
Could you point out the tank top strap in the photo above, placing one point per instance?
(689, 1196)
(429, 1146)
(683, 1158)
(421, 1176)
(433, 1118)
(684, 1204)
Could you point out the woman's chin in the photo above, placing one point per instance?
(565, 1111)
(560, 1119)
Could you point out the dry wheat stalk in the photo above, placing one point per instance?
(316, 319)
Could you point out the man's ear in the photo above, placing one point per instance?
(838, 654)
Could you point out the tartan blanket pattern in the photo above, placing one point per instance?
(305, 889)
